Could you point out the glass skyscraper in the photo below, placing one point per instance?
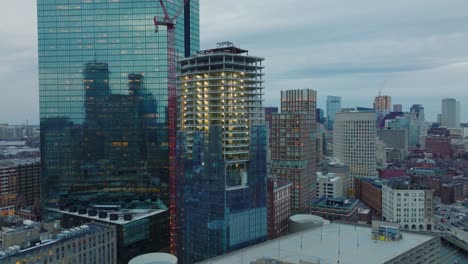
(417, 127)
(333, 107)
(103, 98)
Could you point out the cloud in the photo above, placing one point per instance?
(414, 50)
(18, 67)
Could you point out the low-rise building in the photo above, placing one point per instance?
(329, 185)
(369, 191)
(439, 146)
(454, 191)
(138, 231)
(341, 243)
(391, 172)
(410, 206)
(334, 165)
(90, 243)
(364, 215)
(278, 206)
(342, 209)
(19, 185)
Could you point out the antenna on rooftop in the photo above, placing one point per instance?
(358, 239)
(321, 234)
(339, 241)
(301, 239)
(279, 246)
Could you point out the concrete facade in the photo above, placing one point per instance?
(91, 243)
(412, 207)
(329, 185)
(354, 143)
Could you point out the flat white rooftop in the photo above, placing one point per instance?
(344, 242)
(137, 214)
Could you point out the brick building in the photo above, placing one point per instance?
(19, 185)
(370, 192)
(453, 191)
(278, 207)
(340, 209)
(439, 146)
(293, 150)
(90, 243)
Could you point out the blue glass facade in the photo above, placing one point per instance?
(417, 125)
(221, 215)
(103, 98)
(333, 107)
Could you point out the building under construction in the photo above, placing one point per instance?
(221, 153)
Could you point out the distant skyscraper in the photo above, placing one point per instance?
(382, 107)
(354, 143)
(397, 108)
(333, 107)
(417, 125)
(293, 150)
(450, 113)
(221, 153)
(383, 102)
(439, 119)
(319, 116)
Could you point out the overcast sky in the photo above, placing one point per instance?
(413, 50)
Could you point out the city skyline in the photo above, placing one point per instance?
(332, 48)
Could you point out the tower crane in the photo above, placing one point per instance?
(170, 23)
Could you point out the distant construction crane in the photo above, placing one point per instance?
(172, 115)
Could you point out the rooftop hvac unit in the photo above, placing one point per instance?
(114, 217)
(92, 212)
(128, 217)
(102, 214)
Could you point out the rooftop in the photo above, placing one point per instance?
(344, 242)
(338, 203)
(376, 183)
(331, 176)
(90, 228)
(224, 47)
(136, 214)
(279, 183)
(334, 162)
(404, 183)
(18, 162)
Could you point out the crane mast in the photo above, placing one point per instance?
(170, 23)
